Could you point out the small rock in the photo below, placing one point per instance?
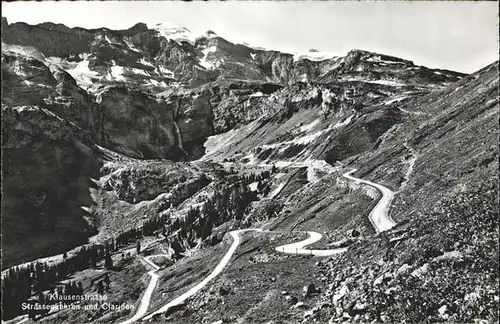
(292, 299)
(404, 269)
(379, 280)
(346, 315)
(360, 306)
(449, 256)
(299, 305)
(420, 272)
(340, 294)
(223, 291)
(308, 290)
(442, 312)
(471, 297)
(309, 313)
(388, 276)
(284, 292)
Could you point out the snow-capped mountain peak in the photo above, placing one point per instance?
(174, 32)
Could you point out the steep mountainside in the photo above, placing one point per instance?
(128, 151)
(47, 163)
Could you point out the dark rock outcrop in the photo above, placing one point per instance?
(47, 163)
(136, 124)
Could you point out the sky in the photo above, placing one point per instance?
(460, 36)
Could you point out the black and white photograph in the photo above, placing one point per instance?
(250, 162)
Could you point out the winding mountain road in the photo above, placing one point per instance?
(298, 247)
(379, 216)
(218, 269)
(146, 298)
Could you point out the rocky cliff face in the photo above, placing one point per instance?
(116, 115)
(112, 76)
(51, 39)
(136, 124)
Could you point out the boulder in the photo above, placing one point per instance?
(292, 299)
(308, 290)
(421, 271)
(223, 291)
(402, 270)
(454, 256)
(299, 305)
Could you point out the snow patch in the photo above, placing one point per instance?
(343, 123)
(111, 40)
(82, 74)
(18, 70)
(24, 51)
(306, 139)
(204, 60)
(308, 127)
(139, 71)
(276, 191)
(157, 83)
(130, 45)
(383, 82)
(411, 165)
(144, 62)
(398, 99)
(166, 71)
(257, 94)
(86, 209)
(314, 56)
(117, 72)
(174, 32)
(378, 59)
(253, 186)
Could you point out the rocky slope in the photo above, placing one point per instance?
(156, 136)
